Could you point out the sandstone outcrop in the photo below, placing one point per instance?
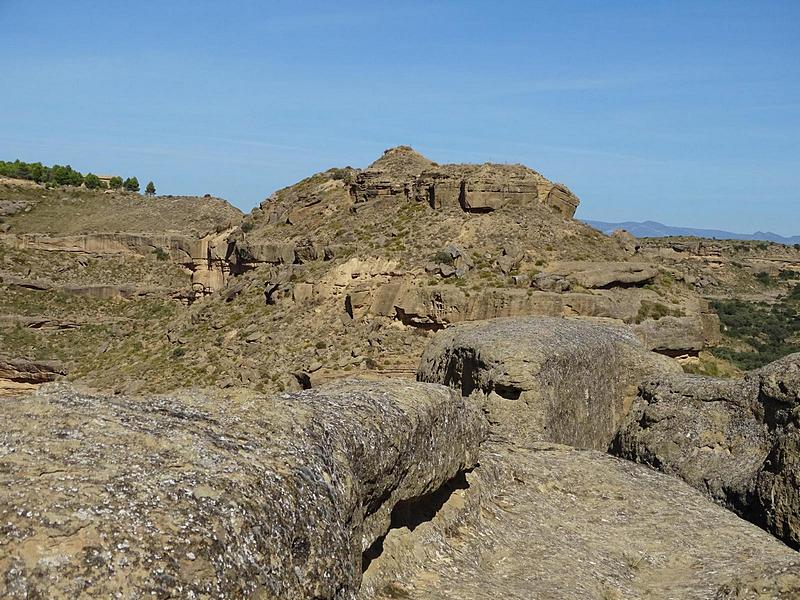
(735, 440)
(402, 173)
(193, 496)
(18, 374)
(617, 274)
(674, 336)
(544, 379)
(204, 258)
(551, 521)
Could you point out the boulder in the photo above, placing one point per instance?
(193, 496)
(736, 440)
(563, 200)
(614, 274)
(700, 429)
(544, 379)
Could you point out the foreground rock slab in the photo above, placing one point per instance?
(545, 379)
(194, 496)
(737, 440)
(552, 522)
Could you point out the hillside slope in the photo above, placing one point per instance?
(346, 271)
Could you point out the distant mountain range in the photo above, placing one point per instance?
(653, 229)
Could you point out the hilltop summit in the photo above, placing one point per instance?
(401, 161)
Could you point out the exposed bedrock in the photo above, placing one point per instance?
(553, 522)
(736, 440)
(17, 374)
(204, 257)
(544, 378)
(402, 173)
(194, 496)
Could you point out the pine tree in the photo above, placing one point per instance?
(91, 181)
(150, 190)
(131, 184)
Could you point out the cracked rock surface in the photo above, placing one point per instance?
(544, 378)
(193, 496)
(553, 522)
(735, 439)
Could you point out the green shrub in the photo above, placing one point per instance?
(161, 254)
(656, 310)
(91, 181)
(771, 330)
(442, 257)
(764, 279)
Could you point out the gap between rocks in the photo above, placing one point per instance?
(413, 512)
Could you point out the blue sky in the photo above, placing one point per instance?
(682, 112)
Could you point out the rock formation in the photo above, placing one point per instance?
(387, 489)
(734, 439)
(18, 374)
(403, 173)
(550, 521)
(544, 379)
(194, 496)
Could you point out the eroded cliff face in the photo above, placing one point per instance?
(403, 174)
(204, 259)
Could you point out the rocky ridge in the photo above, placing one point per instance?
(379, 258)
(379, 489)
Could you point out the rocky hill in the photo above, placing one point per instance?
(80, 269)
(480, 397)
(348, 270)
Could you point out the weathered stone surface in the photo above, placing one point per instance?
(554, 522)
(21, 373)
(700, 429)
(392, 175)
(563, 200)
(604, 275)
(544, 379)
(402, 173)
(735, 440)
(193, 496)
(440, 305)
(489, 187)
(674, 336)
(248, 253)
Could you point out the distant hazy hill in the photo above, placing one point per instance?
(653, 229)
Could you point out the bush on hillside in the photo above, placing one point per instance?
(91, 181)
(771, 330)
